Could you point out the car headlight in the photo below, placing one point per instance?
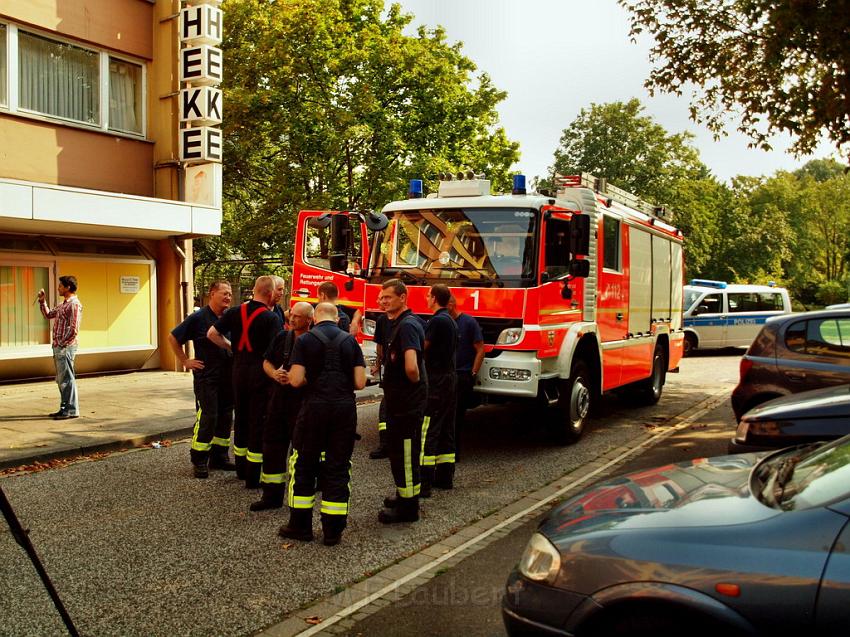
(368, 327)
(741, 431)
(541, 561)
(758, 428)
(510, 336)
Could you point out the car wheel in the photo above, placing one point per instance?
(574, 401)
(690, 344)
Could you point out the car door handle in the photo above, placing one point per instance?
(794, 375)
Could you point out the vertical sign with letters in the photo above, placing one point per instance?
(200, 73)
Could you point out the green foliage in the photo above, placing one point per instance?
(782, 65)
(631, 150)
(330, 106)
(832, 292)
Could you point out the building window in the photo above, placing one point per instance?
(4, 100)
(21, 322)
(125, 96)
(58, 79)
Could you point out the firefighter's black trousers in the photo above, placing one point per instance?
(214, 402)
(438, 427)
(330, 427)
(250, 389)
(405, 416)
(281, 413)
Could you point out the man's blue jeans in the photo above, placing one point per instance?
(66, 378)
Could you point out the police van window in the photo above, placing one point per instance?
(710, 304)
(755, 301)
(611, 243)
(830, 337)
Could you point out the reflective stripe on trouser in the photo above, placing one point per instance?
(322, 444)
(445, 458)
(439, 428)
(382, 416)
(405, 415)
(426, 461)
(213, 395)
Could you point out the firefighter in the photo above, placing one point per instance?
(438, 444)
(405, 392)
(470, 355)
(328, 292)
(381, 329)
(211, 380)
(282, 409)
(277, 295)
(252, 326)
(329, 362)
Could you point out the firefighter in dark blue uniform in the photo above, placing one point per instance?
(328, 292)
(381, 331)
(329, 362)
(283, 407)
(438, 446)
(211, 375)
(405, 392)
(252, 326)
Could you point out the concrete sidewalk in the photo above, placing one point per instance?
(116, 412)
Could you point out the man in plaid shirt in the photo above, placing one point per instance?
(66, 326)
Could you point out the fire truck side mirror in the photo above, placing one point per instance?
(580, 234)
(580, 268)
(375, 221)
(337, 262)
(340, 233)
(322, 221)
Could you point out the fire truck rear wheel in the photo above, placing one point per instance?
(574, 401)
(649, 391)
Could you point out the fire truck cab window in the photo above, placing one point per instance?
(611, 243)
(557, 253)
(317, 247)
(476, 245)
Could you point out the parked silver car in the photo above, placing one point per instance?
(754, 544)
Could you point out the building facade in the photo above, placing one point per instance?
(92, 181)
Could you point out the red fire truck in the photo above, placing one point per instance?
(577, 294)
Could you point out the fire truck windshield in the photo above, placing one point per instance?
(481, 246)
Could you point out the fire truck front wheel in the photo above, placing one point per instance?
(574, 400)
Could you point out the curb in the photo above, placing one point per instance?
(368, 395)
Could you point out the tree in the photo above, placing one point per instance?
(329, 105)
(783, 65)
(631, 150)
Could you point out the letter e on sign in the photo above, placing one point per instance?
(191, 144)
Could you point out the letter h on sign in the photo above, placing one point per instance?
(200, 24)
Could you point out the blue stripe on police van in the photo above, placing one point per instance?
(730, 320)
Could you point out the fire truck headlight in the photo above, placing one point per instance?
(510, 336)
(368, 327)
(509, 373)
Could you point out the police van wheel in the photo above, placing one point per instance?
(574, 403)
(690, 344)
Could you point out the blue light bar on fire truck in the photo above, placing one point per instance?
(415, 190)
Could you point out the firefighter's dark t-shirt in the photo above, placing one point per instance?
(194, 328)
(310, 353)
(262, 331)
(410, 335)
(469, 332)
(276, 352)
(441, 333)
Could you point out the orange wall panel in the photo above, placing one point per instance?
(121, 25)
(66, 156)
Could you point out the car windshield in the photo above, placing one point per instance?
(489, 246)
(806, 477)
(691, 297)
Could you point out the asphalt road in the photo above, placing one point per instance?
(136, 546)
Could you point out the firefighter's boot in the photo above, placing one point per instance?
(407, 510)
(381, 451)
(272, 498)
(299, 527)
(426, 479)
(241, 463)
(200, 463)
(332, 528)
(445, 475)
(220, 460)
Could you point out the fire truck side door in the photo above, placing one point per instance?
(613, 298)
(554, 265)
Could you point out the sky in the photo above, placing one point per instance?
(555, 57)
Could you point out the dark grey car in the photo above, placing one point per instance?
(819, 414)
(794, 353)
(754, 544)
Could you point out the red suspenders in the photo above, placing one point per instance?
(244, 342)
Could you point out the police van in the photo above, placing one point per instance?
(719, 314)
